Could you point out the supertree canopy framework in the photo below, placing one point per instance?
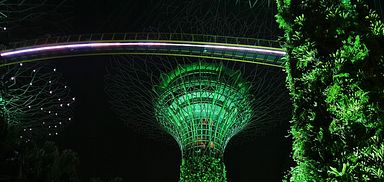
(22, 19)
(240, 18)
(203, 104)
(34, 100)
(256, 3)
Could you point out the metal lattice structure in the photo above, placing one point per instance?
(22, 19)
(257, 3)
(222, 18)
(202, 106)
(34, 100)
(214, 17)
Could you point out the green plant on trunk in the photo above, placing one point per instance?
(335, 69)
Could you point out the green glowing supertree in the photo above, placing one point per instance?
(34, 101)
(202, 104)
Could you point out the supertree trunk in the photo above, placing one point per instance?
(202, 168)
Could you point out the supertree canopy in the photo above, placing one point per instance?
(34, 100)
(22, 19)
(240, 18)
(202, 106)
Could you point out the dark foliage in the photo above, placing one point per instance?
(335, 70)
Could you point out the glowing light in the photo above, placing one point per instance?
(70, 47)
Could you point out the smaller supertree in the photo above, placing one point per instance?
(35, 105)
(34, 101)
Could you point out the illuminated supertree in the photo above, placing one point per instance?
(34, 100)
(201, 104)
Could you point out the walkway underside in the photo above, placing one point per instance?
(188, 45)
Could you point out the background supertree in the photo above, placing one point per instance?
(156, 96)
(23, 19)
(35, 105)
(35, 100)
(215, 17)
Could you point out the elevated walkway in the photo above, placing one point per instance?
(259, 51)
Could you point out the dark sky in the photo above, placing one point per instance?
(107, 148)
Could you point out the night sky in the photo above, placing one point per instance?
(106, 147)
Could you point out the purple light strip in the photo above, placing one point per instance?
(121, 44)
